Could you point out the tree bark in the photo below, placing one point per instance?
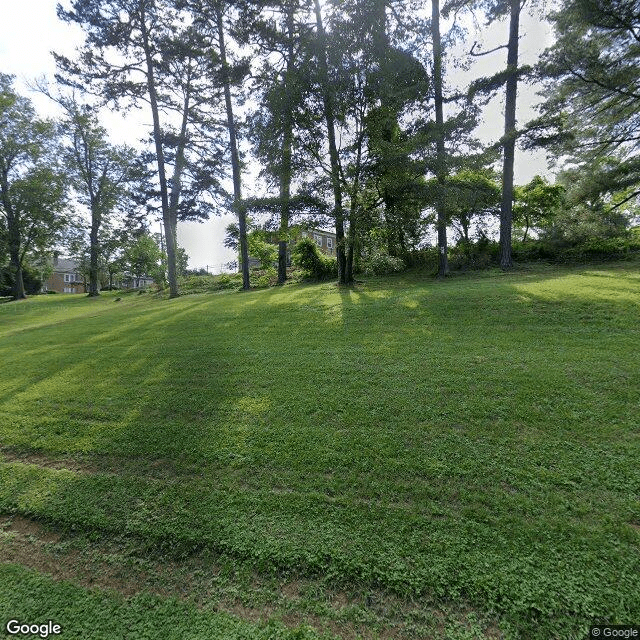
(169, 224)
(15, 262)
(506, 207)
(94, 251)
(235, 157)
(353, 214)
(13, 232)
(287, 148)
(176, 180)
(333, 149)
(441, 160)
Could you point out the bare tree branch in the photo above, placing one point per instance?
(485, 53)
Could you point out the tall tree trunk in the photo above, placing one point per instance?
(235, 157)
(351, 243)
(94, 250)
(13, 232)
(176, 180)
(15, 265)
(287, 147)
(169, 223)
(333, 149)
(441, 160)
(353, 213)
(506, 207)
(464, 222)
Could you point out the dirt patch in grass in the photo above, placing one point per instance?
(109, 565)
(46, 461)
(161, 468)
(26, 527)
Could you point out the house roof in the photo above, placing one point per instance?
(65, 264)
(322, 231)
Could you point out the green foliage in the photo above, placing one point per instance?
(32, 184)
(259, 248)
(584, 251)
(209, 283)
(481, 254)
(261, 278)
(537, 203)
(182, 261)
(30, 277)
(425, 260)
(592, 75)
(471, 195)
(317, 266)
(143, 257)
(378, 263)
(602, 249)
(584, 218)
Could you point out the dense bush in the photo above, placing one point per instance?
(316, 265)
(259, 278)
(485, 253)
(603, 249)
(424, 259)
(591, 250)
(265, 252)
(535, 250)
(209, 283)
(474, 255)
(379, 263)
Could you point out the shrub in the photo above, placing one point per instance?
(425, 259)
(208, 283)
(535, 250)
(378, 263)
(264, 252)
(316, 265)
(474, 255)
(591, 250)
(259, 278)
(602, 249)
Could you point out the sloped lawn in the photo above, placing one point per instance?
(474, 441)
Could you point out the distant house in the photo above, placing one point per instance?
(131, 282)
(66, 277)
(325, 240)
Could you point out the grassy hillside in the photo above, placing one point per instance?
(453, 459)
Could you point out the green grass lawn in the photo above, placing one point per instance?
(467, 448)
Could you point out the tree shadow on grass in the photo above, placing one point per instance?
(420, 437)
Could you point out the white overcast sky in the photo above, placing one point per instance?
(30, 30)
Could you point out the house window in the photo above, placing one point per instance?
(68, 278)
(69, 290)
(318, 239)
(329, 243)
